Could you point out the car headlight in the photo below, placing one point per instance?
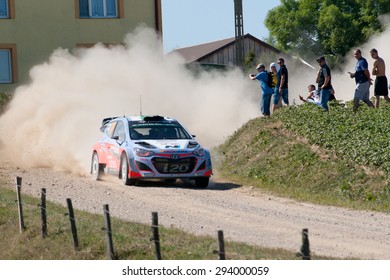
(199, 152)
(192, 145)
(143, 153)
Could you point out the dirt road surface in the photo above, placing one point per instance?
(243, 213)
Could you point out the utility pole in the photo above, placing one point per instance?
(239, 24)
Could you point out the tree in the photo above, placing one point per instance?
(313, 27)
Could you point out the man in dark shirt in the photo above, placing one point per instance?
(324, 80)
(363, 81)
(281, 88)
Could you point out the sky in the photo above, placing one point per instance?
(193, 22)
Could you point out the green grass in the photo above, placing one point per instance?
(336, 158)
(131, 240)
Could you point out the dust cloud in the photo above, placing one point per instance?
(54, 120)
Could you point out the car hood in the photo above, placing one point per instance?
(167, 144)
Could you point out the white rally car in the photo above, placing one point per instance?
(136, 148)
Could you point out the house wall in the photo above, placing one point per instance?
(38, 27)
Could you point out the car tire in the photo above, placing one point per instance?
(202, 182)
(124, 172)
(97, 169)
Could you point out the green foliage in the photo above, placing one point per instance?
(362, 138)
(313, 27)
(4, 99)
(250, 60)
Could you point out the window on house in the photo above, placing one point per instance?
(4, 10)
(98, 8)
(5, 66)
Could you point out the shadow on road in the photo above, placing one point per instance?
(188, 184)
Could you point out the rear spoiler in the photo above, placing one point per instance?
(105, 121)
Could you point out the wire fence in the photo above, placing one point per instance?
(304, 253)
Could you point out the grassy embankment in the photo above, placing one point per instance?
(336, 158)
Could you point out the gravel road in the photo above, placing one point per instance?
(243, 213)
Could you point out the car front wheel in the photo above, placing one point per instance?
(202, 182)
(124, 175)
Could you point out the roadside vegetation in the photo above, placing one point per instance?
(337, 158)
(4, 99)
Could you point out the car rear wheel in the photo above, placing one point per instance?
(96, 167)
(202, 182)
(124, 173)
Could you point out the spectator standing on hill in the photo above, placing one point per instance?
(324, 80)
(281, 89)
(380, 86)
(363, 81)
(267, 91)
(273, 68)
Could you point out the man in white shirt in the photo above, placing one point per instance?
(313, 96)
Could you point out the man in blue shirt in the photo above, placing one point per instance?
(363, 81)
(266, 95)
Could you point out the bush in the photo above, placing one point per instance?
(4, 99)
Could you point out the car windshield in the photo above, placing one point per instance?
(158, 131)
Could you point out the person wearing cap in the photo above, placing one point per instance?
(362, 80)
(281, 89)
(266, 94)
(324, 81)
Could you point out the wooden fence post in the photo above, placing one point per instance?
(20, 208)
(221, 245)
(72, 224)
(107, 224)
(43, 213)
(156, 237)
(305, 248)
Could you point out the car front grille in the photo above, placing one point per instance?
(173, 166)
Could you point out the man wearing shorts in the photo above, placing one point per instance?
(379, 70)
(363, 81)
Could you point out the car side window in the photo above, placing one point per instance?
(120, 131)
(110, 129)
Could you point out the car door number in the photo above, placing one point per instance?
(175, 168)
